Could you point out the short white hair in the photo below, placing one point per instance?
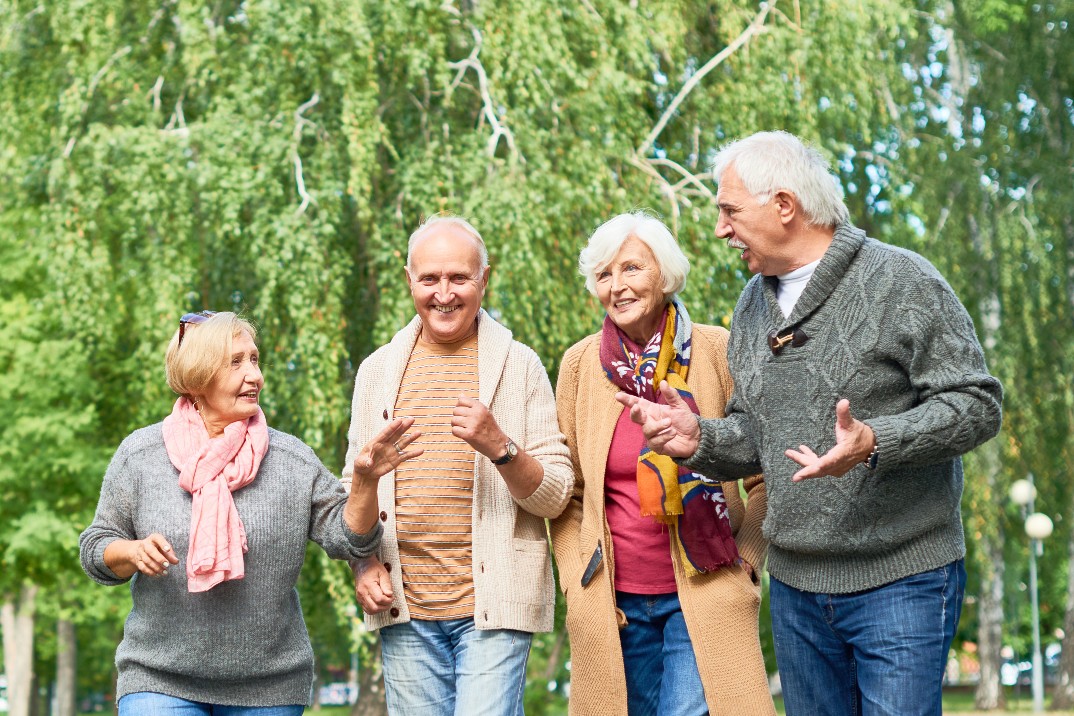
(445, 220)
(767, 162)
(609, 237)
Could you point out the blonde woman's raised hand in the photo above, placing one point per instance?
(387, 450)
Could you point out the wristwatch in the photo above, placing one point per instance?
(512, 452)
(874, 457)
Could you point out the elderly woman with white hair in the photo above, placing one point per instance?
(658, 565)
(215, 489)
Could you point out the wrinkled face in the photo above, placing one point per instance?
(754, 229)
(447, 283)
(234, 392)
(631, 290)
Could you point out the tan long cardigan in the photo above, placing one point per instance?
(721, 608)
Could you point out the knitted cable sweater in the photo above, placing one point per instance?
(886, 332)
(243, 642)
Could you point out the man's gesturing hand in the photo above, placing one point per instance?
(472, 421)
(854, 440)
(670, 429)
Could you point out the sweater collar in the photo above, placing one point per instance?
(846, 242)
(493, 344)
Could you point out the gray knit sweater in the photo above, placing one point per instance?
(243, 642)
(886, 332)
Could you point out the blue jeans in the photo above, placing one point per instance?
(661, 671)
(880, 652)
(148, 703)
(443, 668)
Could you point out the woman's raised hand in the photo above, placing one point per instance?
(389, 448)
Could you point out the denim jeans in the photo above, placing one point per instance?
(148, 703)
(880, 652)
(661, 671)
(444, 668)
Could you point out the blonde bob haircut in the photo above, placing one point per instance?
(609, 237)
(206, 350)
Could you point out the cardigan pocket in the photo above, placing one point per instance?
(596, 560)
(529, 545)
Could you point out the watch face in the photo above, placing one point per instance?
(512, 449)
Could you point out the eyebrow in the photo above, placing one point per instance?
(449, 274)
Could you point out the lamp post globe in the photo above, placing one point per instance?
(1022, 492)
(1039, 526)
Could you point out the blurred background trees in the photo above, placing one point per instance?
(269, 156)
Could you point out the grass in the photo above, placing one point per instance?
(955, 701)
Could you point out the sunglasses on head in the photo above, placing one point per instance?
(192, 319)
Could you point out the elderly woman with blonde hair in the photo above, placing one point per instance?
(214, 488)
(658, 564)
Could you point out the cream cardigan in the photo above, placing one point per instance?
(512, 569)
(721, 608)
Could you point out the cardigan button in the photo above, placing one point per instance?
(387, 566)
(383, 516)
(394, 612)
(385, 413)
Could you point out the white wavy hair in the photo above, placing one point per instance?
(769, 161)
(442, 220)
(606, 241)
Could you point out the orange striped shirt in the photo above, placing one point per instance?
(434, 492)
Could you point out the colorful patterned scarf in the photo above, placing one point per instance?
(671, 494)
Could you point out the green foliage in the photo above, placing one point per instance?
(273, 157)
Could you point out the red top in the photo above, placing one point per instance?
(642, 546)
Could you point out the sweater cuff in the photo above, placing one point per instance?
(886, 432)
(549, 499)
(101, 573)
(702, 450)
(362, 544)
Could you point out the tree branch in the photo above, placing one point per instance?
(296, 135)
(755, 27)
(499, 129)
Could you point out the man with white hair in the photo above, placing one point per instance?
(866, 560)
(463, 577)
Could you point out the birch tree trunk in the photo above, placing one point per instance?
(66, 668)
(17, 622)
(1063, 698)
(989, 695)
(371, 700)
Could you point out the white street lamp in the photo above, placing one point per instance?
(1038, 527)
(1023, 492)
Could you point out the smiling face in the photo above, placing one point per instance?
(758, 231)
(233, 394)
(447, 283)
(631, 290)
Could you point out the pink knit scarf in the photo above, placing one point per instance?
(210, 469)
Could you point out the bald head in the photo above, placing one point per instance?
(446, 226)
